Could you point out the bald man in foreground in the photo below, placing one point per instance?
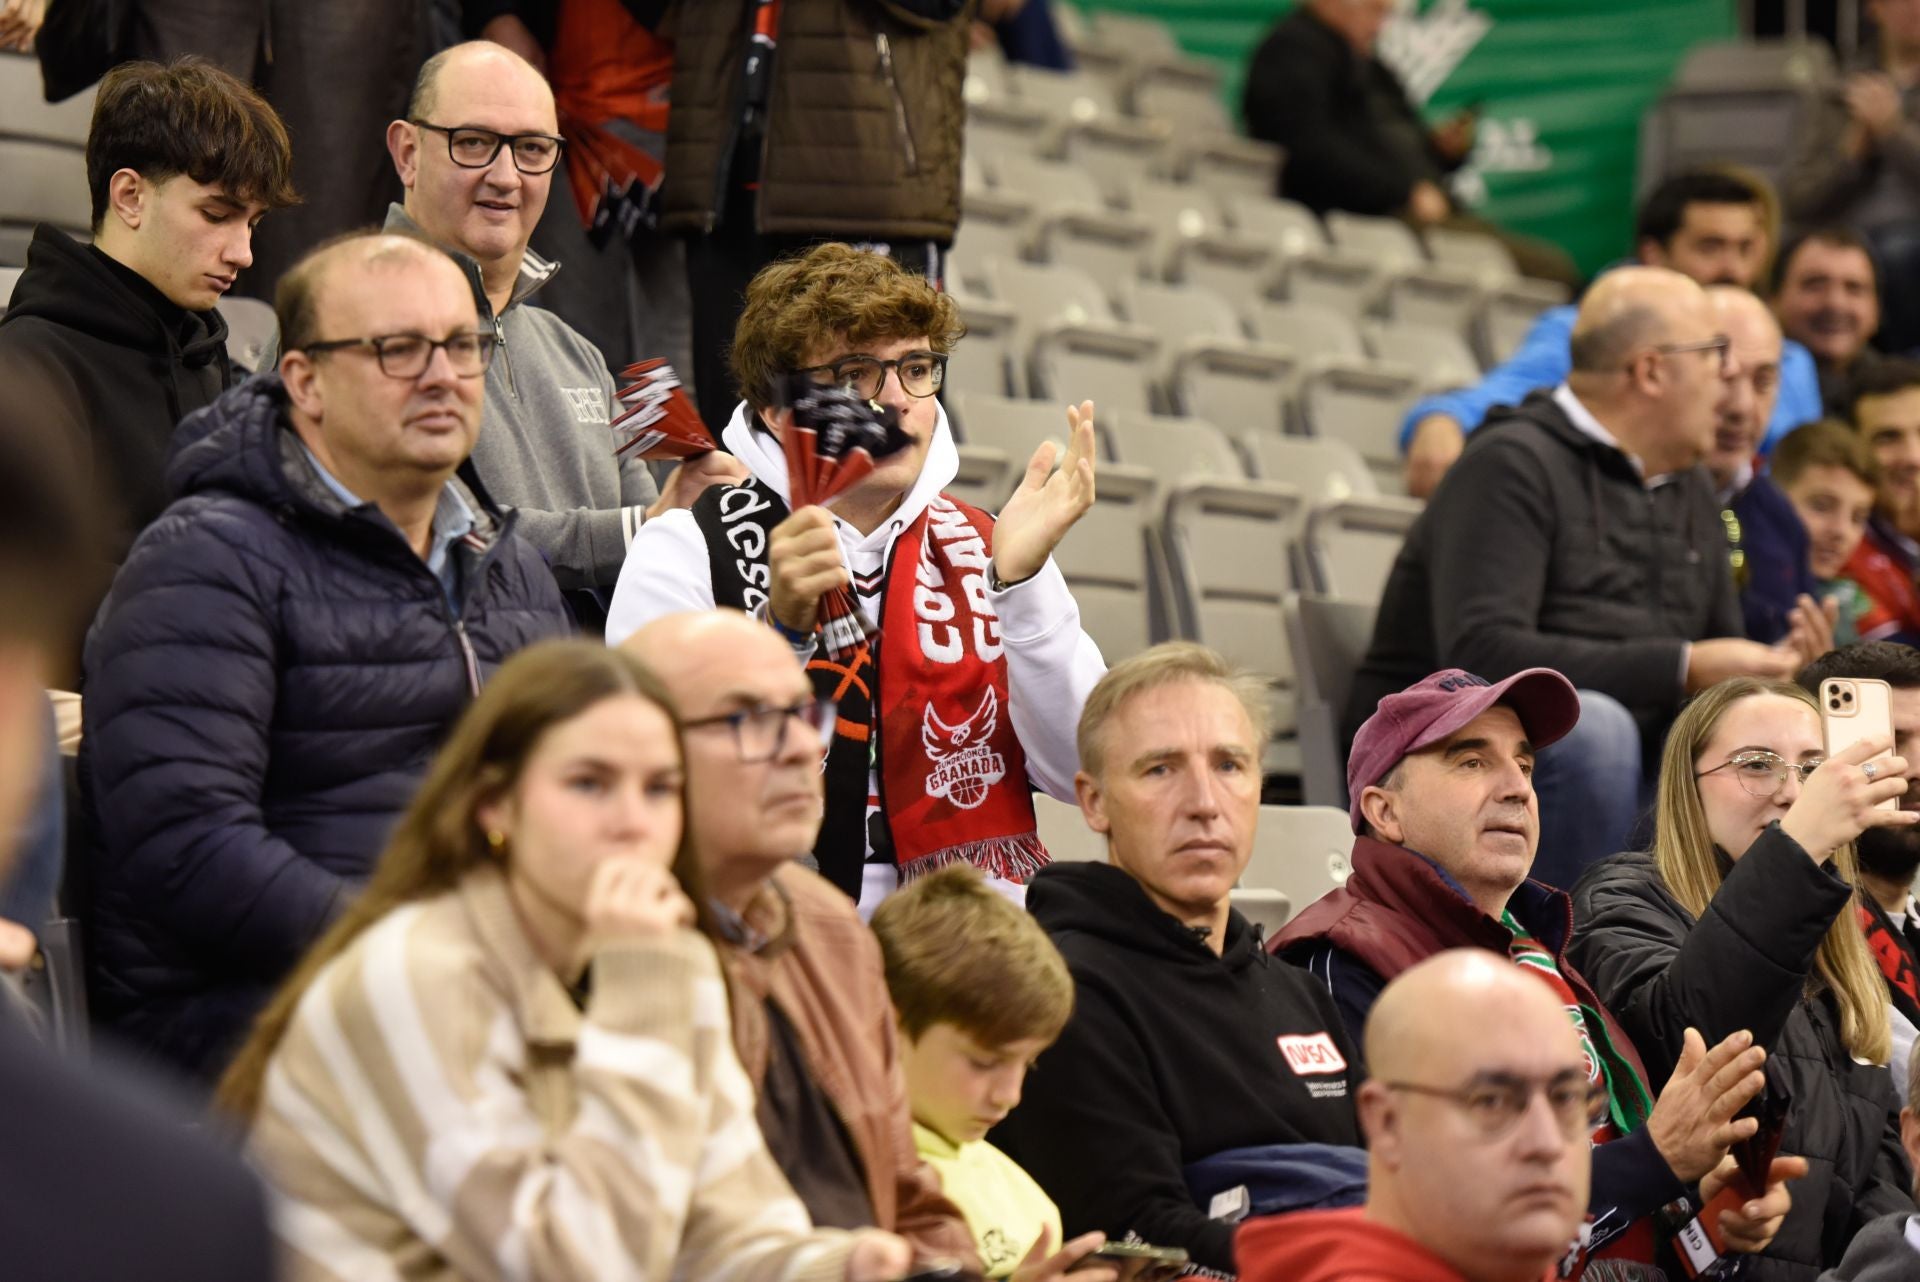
(1478, 1153)
(476, 155)
(1578, 532)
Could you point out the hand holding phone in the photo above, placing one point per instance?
(1853, 709)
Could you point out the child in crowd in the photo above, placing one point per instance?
(1828, 474)
(979, 991)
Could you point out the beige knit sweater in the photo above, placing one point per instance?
(440, 1109)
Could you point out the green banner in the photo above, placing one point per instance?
(1563, 83)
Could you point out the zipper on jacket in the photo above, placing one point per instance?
(500, 338)
(907, 149)
(473, 660)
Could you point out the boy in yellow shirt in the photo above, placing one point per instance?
(979, 991)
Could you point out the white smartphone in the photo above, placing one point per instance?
(1856, 708)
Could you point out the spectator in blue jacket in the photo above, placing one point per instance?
(284, 648)
(1709, 226)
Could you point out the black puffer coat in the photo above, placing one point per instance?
(1749, 963)
(266, 683)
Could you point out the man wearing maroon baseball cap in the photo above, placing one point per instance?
(1446, 824)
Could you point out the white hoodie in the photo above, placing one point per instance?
(1051, 663)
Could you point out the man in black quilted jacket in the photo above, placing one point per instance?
(284, 648)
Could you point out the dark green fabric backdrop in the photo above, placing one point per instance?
(1564, 84)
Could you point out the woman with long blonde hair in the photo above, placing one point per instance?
(512, 1057)
(1738, 919)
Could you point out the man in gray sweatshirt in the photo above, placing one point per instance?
(476, 155)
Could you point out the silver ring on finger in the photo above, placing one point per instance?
(1869, 770)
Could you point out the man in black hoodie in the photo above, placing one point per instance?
(1187, 1043)
(1579, 533)
(109, 345)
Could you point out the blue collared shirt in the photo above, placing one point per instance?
(452, 520)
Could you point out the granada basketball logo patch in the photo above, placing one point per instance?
(964, 763)
(1312, 1054)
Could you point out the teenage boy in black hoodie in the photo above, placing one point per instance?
(109, 345)
(1186, 1040)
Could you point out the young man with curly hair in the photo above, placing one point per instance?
(969, 690)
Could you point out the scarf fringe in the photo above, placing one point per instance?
(1013, 859)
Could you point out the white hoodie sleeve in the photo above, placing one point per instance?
(666, 572)
(1051, 667)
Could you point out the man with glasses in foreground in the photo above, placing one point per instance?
(476, 155)
(1446, 821)
(967, 693)
(285, 646)
(1579, 533)
(1477, 1109)
(812, 1019)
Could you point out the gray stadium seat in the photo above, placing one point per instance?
(9, 277)
(1064, 832)
(1068, 95)
(1228, 164)
(1044, 295)
(44, 183)
(1322, 470)
(992, 225)
(1287, 225)
(1249, 387)
(1438, 297)
(1311, 332)
(1363, 406)
(1329, 639)
(25, 113)
(1234, 267)
(1505, 316)
(1149, 35)
(1741, 102)
(1178, 213)
(1226, 546)
(1173, 449)
(1105, 561)
(989, 357)
(1441, 356)
(1386, 241)
(1334, 281)
(986, 477)
(1302, 851)
(1470, 251)
(1351, 545)
(251, 327)
(1014, 428)
(1002, 126)
(1185, 93)
(1263, 907)
(1118, 152)
(1755, 64)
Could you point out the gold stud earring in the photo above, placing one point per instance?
(496, 841)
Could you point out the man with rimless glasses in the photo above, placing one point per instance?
(476, 155)
(285, 646)
(1477, 1112)
(967, 696)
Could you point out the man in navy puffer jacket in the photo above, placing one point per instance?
(286, 646)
